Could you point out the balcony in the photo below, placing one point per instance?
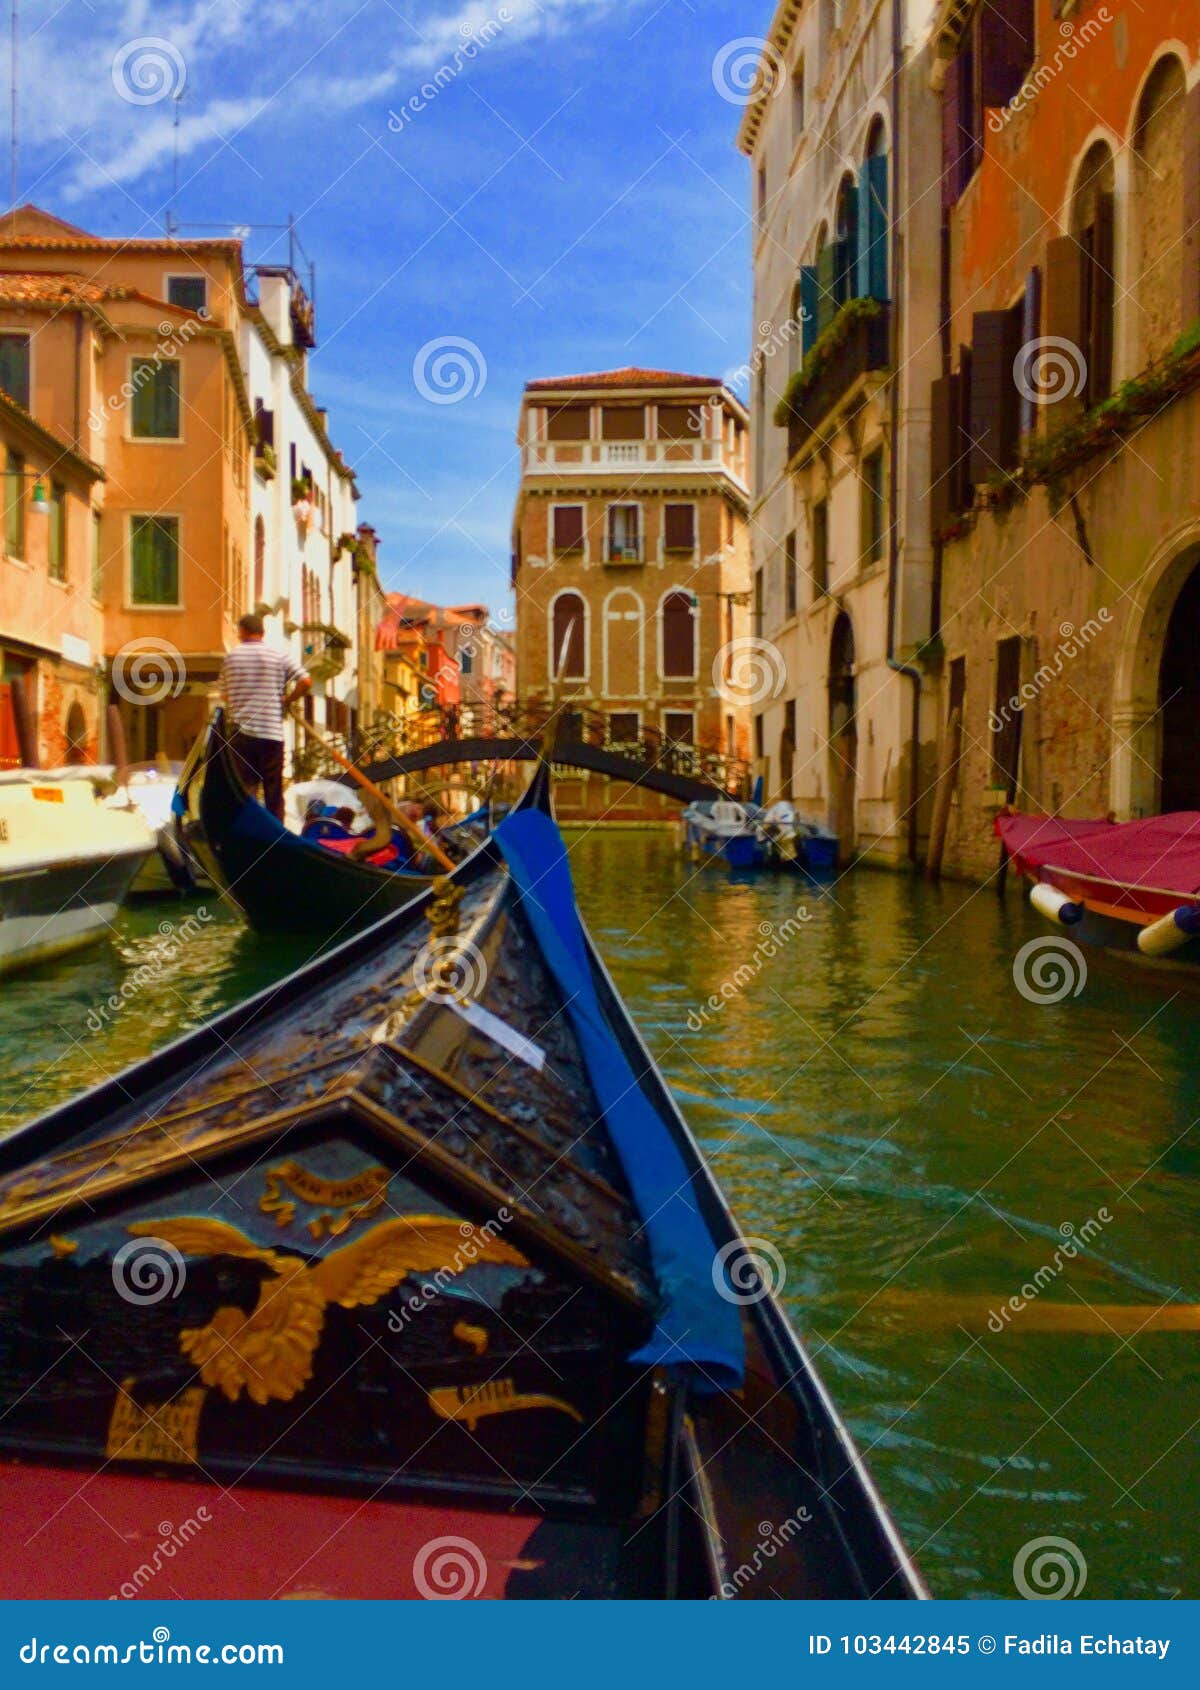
(635, 457)
(325, 649)
(623, 557)
(863, 348)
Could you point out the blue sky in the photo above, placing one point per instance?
(569, 199)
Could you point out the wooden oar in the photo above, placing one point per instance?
(977, 1314)
(410, 828)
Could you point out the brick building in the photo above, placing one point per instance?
(1066, 504)
(631, 567)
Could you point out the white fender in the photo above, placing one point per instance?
(1171, 932)
(1055, 905)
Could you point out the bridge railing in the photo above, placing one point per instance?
(391, 736)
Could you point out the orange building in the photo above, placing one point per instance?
(631, 567)
(133, 355)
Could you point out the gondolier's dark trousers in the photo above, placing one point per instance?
(260, 763)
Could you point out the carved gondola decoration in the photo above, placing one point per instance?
(415, 1248)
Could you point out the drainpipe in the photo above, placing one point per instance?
(914, 675)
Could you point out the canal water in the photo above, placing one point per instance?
(975, 1197)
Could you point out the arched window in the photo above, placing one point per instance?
(1093, 221)
(568, 638)
(822, 273)
(1158, 292)
(678, 637)
(260, 558)
(874, 260)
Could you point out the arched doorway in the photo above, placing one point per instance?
(1179, 701)
(76, 734)
(843, 733)
(1150, 730)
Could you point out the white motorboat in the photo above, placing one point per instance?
(149, 788)
(67, 861)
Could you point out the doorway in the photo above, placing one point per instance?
(1179, 701)
(843, 734)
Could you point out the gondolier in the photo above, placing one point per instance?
(260, 684)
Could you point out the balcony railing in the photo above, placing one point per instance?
(601, 457)
(325, 649)
(864, 349)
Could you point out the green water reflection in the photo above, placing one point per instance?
(915, 1138)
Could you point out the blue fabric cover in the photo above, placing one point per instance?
(696, 1328)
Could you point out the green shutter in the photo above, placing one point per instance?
(154, 543)
(155, 399)
(827, 303)
(810, 306)
(873, 231)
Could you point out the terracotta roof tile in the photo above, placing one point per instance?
(118, 244)
(630, 377)
(53, 287)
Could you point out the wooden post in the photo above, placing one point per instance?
(414, 833)
(943, 793)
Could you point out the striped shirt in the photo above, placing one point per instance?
(255, 677)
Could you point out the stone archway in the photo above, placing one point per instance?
(1150, 706)
(843, 733)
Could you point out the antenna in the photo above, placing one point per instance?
(13, 110)
(172, 226)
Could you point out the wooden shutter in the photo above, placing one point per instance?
(944, 453)
(1063, 312)
(1005, 47)
(679, 422)
(1006, 736)
(993, 395)
(1102, 301)
(623, 422)
(568, 528)
(1031, 328)
(679, 528)
(571, 422)
(567, 658)
(678, 637)
(847, 244)
(1191, 206)
(827, 302)
(810, 307)
(873, 230)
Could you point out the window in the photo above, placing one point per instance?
(820, 545)
(568, 528)
(790, 585)
(798, 102)
(756, 613)
(191, 292)
(1006, 719)
(873, 506)
(57, 545)
(1159, 142)
(624, 727)
(1080, 295)
(97, 560)
(760, 202)
(568, 656)
(264, 426)
(154, 559)
(465, 661)
(678, 637)
(155, 407)
(623, 422)
(14, 367)
(874, 280)
(572, 422)
(260, 559)
(958, 687)
(624, 533)
(680, 422)
(14, 505)
(679, 528)
(845, 251)
(993, 398)
(679, 726)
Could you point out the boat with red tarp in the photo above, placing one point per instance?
(1132, 886)
(406, 1278)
